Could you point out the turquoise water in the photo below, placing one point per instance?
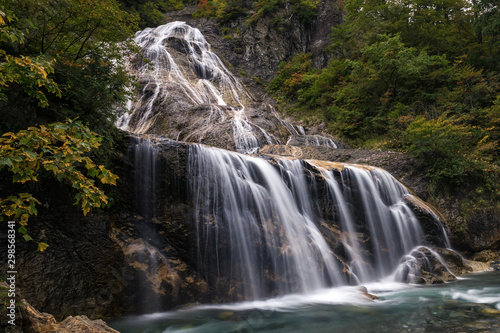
(471, 304)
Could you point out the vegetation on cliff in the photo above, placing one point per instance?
(418, 76)
(226, 10)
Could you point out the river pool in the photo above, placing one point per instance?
(471, 304)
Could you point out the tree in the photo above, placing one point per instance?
(438, 27)
(83, 47)
(487, 30)
(31, 73)
(72, 29)
(59, 148)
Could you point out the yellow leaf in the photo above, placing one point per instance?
(42, 246)
(24, 220)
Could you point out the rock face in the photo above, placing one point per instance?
(472, 229)
(80, 273)
(257, 49)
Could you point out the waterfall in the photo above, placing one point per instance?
(274, 245)
(260, 226)
(381, 211)
(145, 156)
(186, 88)
(143, 248)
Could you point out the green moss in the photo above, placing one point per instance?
(242, 72)
(258, 80)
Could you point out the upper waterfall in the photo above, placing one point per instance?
(187, 93)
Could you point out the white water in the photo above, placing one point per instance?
(242, 200)
(393, 227)
(262, 232)
(311, 140)
(178, 64)
(145, 155)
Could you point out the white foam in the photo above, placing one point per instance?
(482, 296)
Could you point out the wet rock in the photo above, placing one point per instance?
(454, 261)
(472, 229)
(365, 293)
(177, 44)
(227, 315)
(429, 219)
(477, 266)
(313, 140)
(486, 255)
(495, 265)
(491, 311)
(425, 266)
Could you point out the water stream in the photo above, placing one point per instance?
(471, 304)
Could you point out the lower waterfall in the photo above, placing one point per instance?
(279, 226)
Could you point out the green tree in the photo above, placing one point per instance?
(151, 13)
(438, 27)
(72, 29)
(60, 149)
(85, 45)
(458, 150)
(31, 73)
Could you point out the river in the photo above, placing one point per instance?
(471, 304)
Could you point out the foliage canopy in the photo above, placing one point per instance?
(47, 49)
(413, 75)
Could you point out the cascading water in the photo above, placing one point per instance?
(144, 249)
(252, 231)
(179, 72)
(259, 232)
(145, 157)
(382, 213)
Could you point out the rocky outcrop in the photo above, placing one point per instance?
(427, 266)
(80, 272)
(437, 265)
(472, 228)
(38, 322)
(25, 318)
